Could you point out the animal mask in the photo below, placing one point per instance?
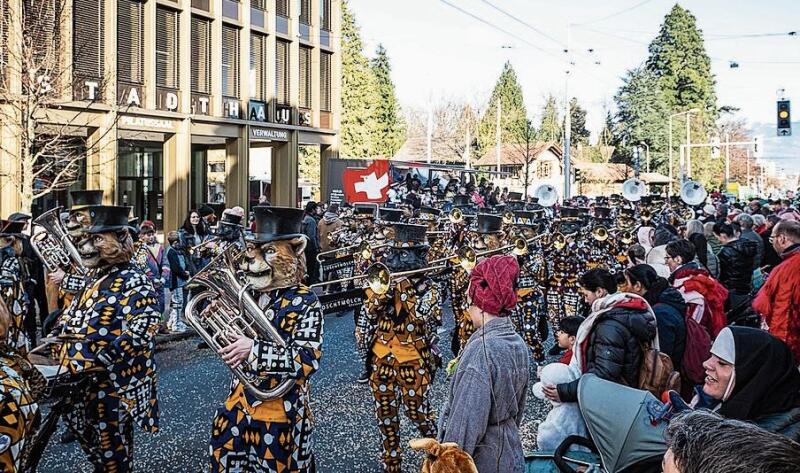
(99, 250)
(399, 259)
(276, 264)
(443, 458)
(11, 242)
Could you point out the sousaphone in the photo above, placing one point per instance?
(547, 195)
(693, 193)
(633, 190)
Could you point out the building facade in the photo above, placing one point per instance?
(181, 102)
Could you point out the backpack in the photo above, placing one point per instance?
(657, 373)
(697, 351)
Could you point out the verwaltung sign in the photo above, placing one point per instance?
(273, 134)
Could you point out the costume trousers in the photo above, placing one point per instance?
(104, 430)
(530, 320)
(394, 383)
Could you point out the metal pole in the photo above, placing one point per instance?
(498, 132)
(669, 188)
(688, 170)
(682, 169)
(727, 161)
(637, 166)
(748, 167)
(648, 158)
(567, 126)
(430, 134)
(467, 149)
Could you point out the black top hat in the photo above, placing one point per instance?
(489, 223)
(229, 218)
(462, 200)
(583, 211)
(364, 211)
(526, 219)
(602, 212)
(11, 228)
(429, 212)
(569, 212)
(514, 196)
(390, 215)
(406, 234)
(646, 199)
(107, 218)
(217, 207)
(601, 200)
(515, 205)
(568, 228)
(276, 223)
(626, 212)
(83, 199)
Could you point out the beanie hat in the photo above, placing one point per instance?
(205, 211)
(492, 284)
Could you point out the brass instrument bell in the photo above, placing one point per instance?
(559, 241)
(626, 237)
(456, 215)
(365, 250)
(520, 247)
(508, 217)
(600, 233)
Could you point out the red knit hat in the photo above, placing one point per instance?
(492, 284)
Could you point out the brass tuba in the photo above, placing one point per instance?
(53, 245)
(235, 311)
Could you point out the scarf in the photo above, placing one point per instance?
(600, 307)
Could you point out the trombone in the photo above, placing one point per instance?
(379, 278)
(364, 248)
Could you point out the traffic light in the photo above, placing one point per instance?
(758, 148)
(577, 175)
(784, 118)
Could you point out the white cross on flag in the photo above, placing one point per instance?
(367, 185)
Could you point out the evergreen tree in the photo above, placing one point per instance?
(550, 127)
(679, 60)
(579, 134)
(390, 132)
(512, 117)
(359, 93)
(641, 111)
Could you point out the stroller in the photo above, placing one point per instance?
(625, 438)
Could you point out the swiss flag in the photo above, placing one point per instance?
(367, 185)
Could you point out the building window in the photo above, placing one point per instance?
(305, 12)
(260, 4)
(258, 64)
(230, 61)
(325, 82)
(305, 77)
(325, 15)
(167, 49)
(88, 38)
(201, 55)
(201, 4)
(130, 41)
(282, 8)
(544, 169)
(282, 72)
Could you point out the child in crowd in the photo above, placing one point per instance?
(564, 419)
(180, 269)
(566, 336)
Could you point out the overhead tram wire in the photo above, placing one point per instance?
(502, 30)
(621, 12)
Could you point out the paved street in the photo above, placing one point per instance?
(192, 383)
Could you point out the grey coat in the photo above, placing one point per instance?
(487, 398)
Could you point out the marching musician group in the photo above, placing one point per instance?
(252, 302)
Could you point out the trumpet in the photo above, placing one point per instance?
(600, 233)
(204, 244)
(236, 311)
(379, 278)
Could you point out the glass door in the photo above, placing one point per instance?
(140, 180)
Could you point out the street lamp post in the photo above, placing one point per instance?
(647, 156)
(687, 113)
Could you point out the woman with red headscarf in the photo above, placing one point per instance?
(487, 392)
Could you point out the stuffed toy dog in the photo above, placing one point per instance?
(443, 458)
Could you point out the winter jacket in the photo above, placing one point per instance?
(771, 257)
(736, 265)
(755, 238)
(487, 398)
(779, 301)
(179, 268)
(327, 226)
(714, 243)
(670, 311)
(613, 349)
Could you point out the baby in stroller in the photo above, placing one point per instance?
(564, 418)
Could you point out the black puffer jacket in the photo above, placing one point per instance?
(614, 349)
(736, 265)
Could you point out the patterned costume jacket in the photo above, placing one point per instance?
(600, 254)
(249, 435)
(19, 416)
(115, 319)
(12, 290)
(70, 285)
(406, 318)
(530, 314)
(563, 268)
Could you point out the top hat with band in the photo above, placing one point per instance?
(489, 223)
(85, 198)
(107, 218)
(390, 215)
(11, 228)
(276, 223)
(407, 234)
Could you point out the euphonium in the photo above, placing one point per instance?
(54, 246)
(235, 311)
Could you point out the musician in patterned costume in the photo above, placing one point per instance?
(403, 352)
(487, 236)
(530, 314)
(564, 265)
(19, 412)
(274, 435)
(458, 278)
(600, 250)
(12, 283)
(109, 329)
(70, 284)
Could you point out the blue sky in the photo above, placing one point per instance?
(437, 51)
